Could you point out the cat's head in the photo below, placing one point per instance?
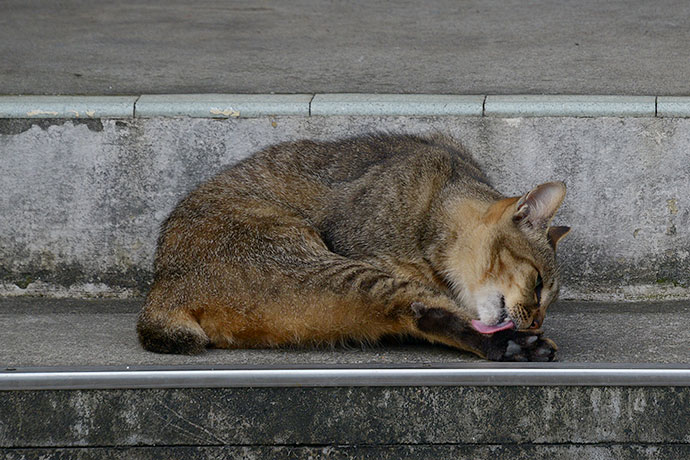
(504, 267)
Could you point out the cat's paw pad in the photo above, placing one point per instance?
(521, 346)
(513, 350)
(545, 350)
(418, 309)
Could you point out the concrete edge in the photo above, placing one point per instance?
(678, 107)
(397, 105)
(345, 104)
(532, 375)
(67, 106)
(570, 106)
(222, 105)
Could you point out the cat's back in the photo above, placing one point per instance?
(304, 175)
(333, 163)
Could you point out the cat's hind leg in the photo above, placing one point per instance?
(162, 329)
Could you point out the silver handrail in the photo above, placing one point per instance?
(467, 375)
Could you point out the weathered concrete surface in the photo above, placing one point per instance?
(222, 105)
(345, 416)
(96, 333)
(82, 200)
(67, 106)
(386, 452)
(258, 46)
(512, 106)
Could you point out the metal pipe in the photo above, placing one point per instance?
(600, 375)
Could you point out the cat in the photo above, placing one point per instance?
(310, 243)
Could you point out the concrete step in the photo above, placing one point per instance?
(85, 195)
(255, 46)
(69, 333)
(76, 385)
(87, 180)
(412, 422)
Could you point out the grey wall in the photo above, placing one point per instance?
(81, 201)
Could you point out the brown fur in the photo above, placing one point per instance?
(311, 243)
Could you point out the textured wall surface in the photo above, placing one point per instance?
(387, 452)
(338, 423)
(344, 416)
(81, 201)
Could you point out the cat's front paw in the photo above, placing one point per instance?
(520, 346)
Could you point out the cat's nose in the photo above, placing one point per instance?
(537, 321)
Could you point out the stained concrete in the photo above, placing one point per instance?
(222, 105)
(260, 46)
(344, 416)
(83, 199)
(386, 452)
(67, 106)
(97, 333)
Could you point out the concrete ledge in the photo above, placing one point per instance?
(570, 106)
(222, 105)
(396, 104)
(418, 419)
(678, 107)
(599, 344)
(67, 106)
(259, 105)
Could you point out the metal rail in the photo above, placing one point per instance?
(435, 375)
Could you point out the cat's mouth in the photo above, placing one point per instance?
(504, 323)
(490, 329)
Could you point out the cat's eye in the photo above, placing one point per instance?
(538, 287)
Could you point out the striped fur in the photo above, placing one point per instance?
(313, 243)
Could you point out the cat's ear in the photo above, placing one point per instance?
(555, 234)
(537, 207)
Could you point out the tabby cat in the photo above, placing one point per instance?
(310, 243)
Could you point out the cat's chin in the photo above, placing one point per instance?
(484, 328)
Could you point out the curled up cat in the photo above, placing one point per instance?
(310, 243)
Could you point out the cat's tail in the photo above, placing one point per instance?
(165, 331)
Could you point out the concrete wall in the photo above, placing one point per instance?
(463, 416)
(81, 201)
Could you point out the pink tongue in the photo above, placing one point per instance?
(486, 329)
